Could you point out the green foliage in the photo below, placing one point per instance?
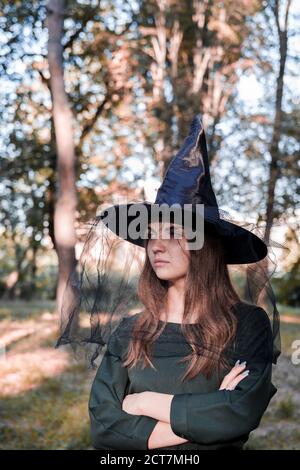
(288, 288)
(286, 408)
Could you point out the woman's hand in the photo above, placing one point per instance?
(132, 403)
(233, 377)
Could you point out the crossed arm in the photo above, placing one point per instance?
(158, 406)
(205, 418)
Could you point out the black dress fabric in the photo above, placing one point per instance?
(207, 417)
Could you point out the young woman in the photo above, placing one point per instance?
(200, 375)
(170, 376)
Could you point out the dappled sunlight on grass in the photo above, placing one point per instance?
(290, 332)
(43, 391)
(25, 371)
(11, 332)
(52, 416)
(285, 310)
(19, 309)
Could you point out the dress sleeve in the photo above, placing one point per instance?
(111, 427)
(224, 415)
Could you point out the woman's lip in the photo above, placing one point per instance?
(160, 262)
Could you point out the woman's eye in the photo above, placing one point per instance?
(150, 234)
(171, 232)
(174, 231)
(168, 233)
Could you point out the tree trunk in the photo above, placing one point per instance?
(66, 200)
(274, 169)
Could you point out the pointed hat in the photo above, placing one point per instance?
(187, 183)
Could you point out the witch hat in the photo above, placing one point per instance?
(187, 183)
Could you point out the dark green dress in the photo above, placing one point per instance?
(208, 417)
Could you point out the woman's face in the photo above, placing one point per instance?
(173, 252)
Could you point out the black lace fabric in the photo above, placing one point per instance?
(102, 291)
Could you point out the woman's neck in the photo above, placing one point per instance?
(175, 301)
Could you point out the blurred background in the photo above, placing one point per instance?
(95, 99)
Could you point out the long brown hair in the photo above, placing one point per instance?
(209, 296)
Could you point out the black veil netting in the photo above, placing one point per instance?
(102, 291)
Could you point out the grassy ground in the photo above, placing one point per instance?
(44, 392)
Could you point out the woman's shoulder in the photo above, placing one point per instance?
(254, 331)
(127, 323)
(251, 314)
(121, 334)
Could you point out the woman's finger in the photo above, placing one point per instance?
(236, 380)
(232, 374)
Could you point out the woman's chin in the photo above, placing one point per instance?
(162, 274)
(163, 277)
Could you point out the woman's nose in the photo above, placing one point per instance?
(158, 245)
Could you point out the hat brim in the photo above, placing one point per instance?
(241, 245)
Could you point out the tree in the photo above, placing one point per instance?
(189, 60)
(66, 203)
